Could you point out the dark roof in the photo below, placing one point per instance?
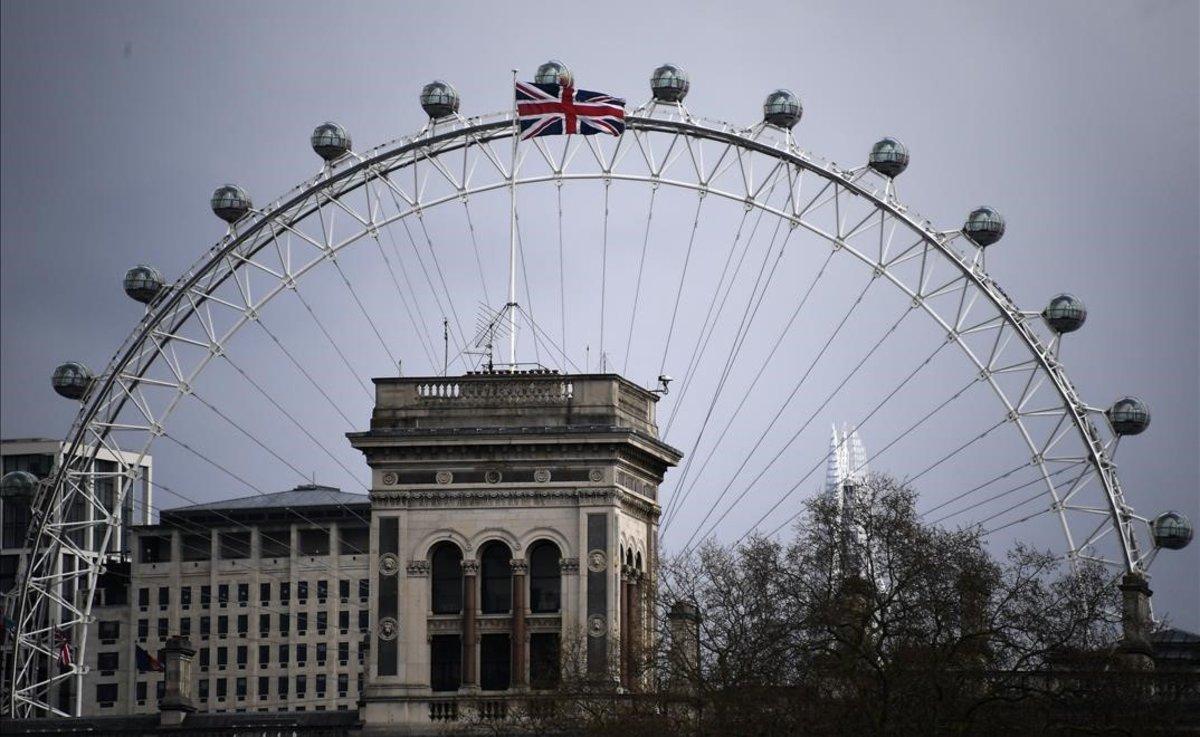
(1177, 646)
(305, 495)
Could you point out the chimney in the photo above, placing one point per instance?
(1135, 649)
(177, 702)
(684, 675)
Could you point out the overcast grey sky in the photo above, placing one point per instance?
(1078, 120)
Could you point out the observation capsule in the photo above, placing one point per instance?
(1172, 530)
(554, 72)
(18, 485)
(231, 203)
(889, 157)
(143, 283)
(984, 226)
(330, 141)
(1065, 313)
(782, 109)
(669, 83)
(1128, 416)
(439, 99)
(71, 380)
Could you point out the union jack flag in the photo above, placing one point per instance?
(62, 642)
(553, 109)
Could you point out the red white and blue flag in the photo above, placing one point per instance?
(62, 643)
(554, 110)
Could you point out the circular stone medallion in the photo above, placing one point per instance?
(389, 479)
(597, 627)
(443, 477)
(596, 474)
(389, 564)
(597, 561)
(541, 475)
(492, 477)
(389, 628)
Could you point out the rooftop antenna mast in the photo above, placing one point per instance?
(489, 326)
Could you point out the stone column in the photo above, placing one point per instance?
(636, 629)
(1135, 649)
(177, 702)
(520, 589)
(470, 570)
(626, 614)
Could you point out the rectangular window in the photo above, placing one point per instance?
(106, 694)
(264, 594)
(322, 622)
(164, 598)
(285, 624)
(314, 542)
(445, 662)
(285, 592)
(344, 621)
(264, 625)
(185, 597)
(495, 656)
(203, 690)
(205, 596)
(223, 626)
(164, 628)
(143, 629)
(222, 658)
(154, 548)
(243, 594)
(108, 663)
(275, 543)
(264, 687)
(364, 620)
(543, 659)
(233, 545)
(109, 631)
(302, 592)
(264, 656)
(160, 690)
(243, 625)
(223, 595)
(205, 625)
(205, 658)
(185, 626)
(353, 540)
(283, 656)
(144, 599)
(322, 652)
(241, 689)
(301, 623)
(301, 654)
(361, 652)
(140, 690)
(242, 656)
(343, 653)
(195, 546)
(364, 589)
(301, 686)
(281, 687)
(343, 685)
(222, 689)
(320, 686)
(344, 590)
(322, 591)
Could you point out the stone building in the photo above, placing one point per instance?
(513, 531)
(272, 590)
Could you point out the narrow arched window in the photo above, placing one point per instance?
(545, 581)
(446, 563)
(496, 578)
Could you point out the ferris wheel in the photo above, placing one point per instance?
(782, 292)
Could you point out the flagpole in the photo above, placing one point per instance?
(512, 236)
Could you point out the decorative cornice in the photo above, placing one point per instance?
(418, 568)
(447, 498)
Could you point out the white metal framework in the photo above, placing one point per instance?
(854, 211)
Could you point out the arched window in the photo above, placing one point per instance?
(496, 574)
(545, 581)
(446, 563)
